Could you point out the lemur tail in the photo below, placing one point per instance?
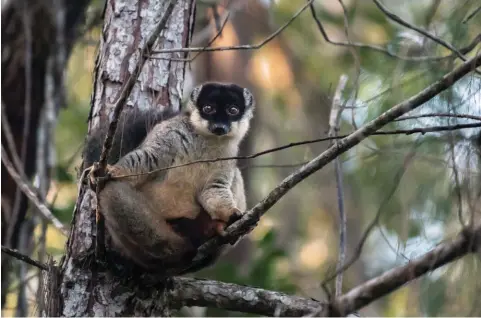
(132, 129)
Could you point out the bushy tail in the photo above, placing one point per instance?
(132, 129)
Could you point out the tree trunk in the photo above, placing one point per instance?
(29, 39)
(84, 290)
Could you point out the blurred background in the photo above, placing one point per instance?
(419, 184)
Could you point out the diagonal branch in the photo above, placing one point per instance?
(250, 219)
(467, 241)
(24, 258)
(29, 191)
(208, 293)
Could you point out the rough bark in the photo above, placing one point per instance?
(85, 290)
(28, 40)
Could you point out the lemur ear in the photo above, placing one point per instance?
(194, 95)
(248, 98)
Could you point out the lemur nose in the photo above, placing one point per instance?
(219, 129)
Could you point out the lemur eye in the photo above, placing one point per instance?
(233, 110)
(208, 109)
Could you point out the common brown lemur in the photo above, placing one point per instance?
(162, 217)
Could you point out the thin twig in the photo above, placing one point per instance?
(357, 61)
(209, 44)
(404, 23)
(416, 130)
(236, 47)
(471, 15)
(334, 122)
(23, 258)
(382, 49)
(252, 216)
(29, 191)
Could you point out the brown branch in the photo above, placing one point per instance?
(467, 241)
(29, 191)
(207, 293)
(251, 217)
(235, 47)
(23, 258)
(416, 130)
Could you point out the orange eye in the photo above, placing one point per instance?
(233, 110)
(207, 109)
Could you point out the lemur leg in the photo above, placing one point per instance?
(137, 230)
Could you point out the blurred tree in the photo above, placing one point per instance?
(30, 36)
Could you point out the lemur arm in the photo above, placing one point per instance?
(217, 197)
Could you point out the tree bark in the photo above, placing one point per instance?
(84, 290)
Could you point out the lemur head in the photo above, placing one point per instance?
(222, 110)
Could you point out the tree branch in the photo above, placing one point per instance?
(467, 241)
(251, 217)
(24, 258)
(208, 293)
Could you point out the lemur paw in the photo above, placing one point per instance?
(234, 215)
(93, 175)
(110, 171)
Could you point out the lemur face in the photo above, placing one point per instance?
(222, 110)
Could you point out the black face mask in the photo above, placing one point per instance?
(220, 106)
